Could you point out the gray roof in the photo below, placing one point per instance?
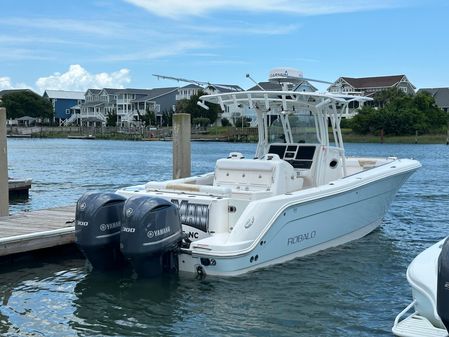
(64, 94)
(26, 118)
(112, 91)
(155, 93)
(441, 96)
(225, 88)
(374, 82)
(270, 86)
(191, 86)
(94, 91)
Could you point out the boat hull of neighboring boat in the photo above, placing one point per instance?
(278, 229)
(423, 318)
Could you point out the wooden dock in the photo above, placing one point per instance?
(28, 231)
(19, 187)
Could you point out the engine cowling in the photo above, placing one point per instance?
(151, 235)
(98, 221)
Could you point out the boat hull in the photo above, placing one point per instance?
(422, 275)
(303, 227)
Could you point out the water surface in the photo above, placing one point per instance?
(352, 290)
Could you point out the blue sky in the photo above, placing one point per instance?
(75, 45)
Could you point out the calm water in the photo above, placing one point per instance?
(353, 290)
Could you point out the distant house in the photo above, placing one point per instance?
(158, 100)
(64, 103)
(128, 104)
(368, 86)
(229, 112)
(188, 91)
(26, 121)
(441, 96)
(16, 122)
(301, 86)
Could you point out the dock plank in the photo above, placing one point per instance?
(35, 230)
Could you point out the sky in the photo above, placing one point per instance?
(76, 45)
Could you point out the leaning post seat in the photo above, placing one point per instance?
(255, 175)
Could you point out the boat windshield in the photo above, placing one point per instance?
(302, 126)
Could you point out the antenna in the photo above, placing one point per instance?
(319, 81)
(249, 76)
(200, 83)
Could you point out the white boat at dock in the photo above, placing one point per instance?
(299, 194)
(428, 313)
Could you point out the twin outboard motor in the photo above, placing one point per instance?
(443, 284)
(111, 230)
(98, 221)
(151, 235)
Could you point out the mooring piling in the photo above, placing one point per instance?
(181, 145)
(4, 191)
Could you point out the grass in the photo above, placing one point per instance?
(351, 137)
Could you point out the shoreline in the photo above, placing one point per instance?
(219, 135)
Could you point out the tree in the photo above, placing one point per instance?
(225, 122)
(190, 106)
(201, 122)
(167, 118)
(26, 103)
(149, 118)
(111, 118)
(400, 114)
(242, 122)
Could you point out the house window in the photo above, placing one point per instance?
(404, 89)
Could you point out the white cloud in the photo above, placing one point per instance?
(78, 78)
(245, 29)
(183, 8)
(104, 28)
(167, 50)
(5, 83)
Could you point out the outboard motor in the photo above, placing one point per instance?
(151, 235)
(97, 229)
(443, 284)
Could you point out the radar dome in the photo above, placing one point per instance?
(284, 74)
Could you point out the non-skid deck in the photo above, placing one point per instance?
(28, 231)
(417, 326)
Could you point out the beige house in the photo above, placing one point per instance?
(368, 86)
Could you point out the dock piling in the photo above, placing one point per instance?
(181, 145)
(4, 190)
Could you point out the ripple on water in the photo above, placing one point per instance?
(352, 290)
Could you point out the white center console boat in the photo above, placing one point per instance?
(298, 195)
(428, 314)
